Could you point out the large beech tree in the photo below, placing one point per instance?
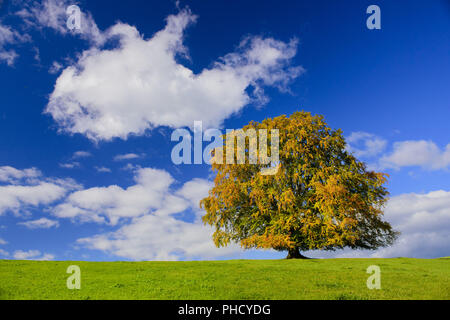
(321, 197)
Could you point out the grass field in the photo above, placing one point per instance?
(401, 278)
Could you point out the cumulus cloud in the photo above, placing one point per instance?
(422, 153)
(112, 203)
(428, 212)
(42, 223)
(26, 188)
(158, 222)
(154, 237)
(32, 255)
(3, 242)
(195, 190)
(10, 174)
(423, 220)
(140, 85)
(15, 197)
(103, 169)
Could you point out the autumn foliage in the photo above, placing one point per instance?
(321, 197)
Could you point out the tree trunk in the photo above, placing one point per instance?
(294, 253)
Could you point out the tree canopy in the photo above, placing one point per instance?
(321, 196)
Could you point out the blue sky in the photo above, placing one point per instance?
(86, 117)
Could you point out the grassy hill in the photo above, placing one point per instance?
(401, 278)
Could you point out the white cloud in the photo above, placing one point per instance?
(42, 223)
(130, 167)
(37, 55)
(140, 85)
(4, 253)
(46, 13)
(10, 174)
(429, 212)
(53, 14)
(150, 229)
(422, 219)
(19, 254)
(102, 169)
(55, 67)
(155, 237)
(364, 144)
(8, 56)
(26, 188)
(3, 242)
(15, 197)
(409, 153)
(81, 154)
(75, 164)
(8, 36)
(46, 257)
(128, 156)
(195, 190)
(32, 255)
(69, 165)
(422, 153)
(110, 204)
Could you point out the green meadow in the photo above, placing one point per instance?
(341, 279)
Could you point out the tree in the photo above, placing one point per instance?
(321, 197)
